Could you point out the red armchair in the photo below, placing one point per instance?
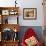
(30, 34)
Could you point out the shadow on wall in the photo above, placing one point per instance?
(37, 29)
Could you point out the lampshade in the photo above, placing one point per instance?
(15, 3)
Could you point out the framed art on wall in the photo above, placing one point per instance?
(13, 12)
(30, 13)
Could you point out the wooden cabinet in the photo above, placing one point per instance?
(6, 27)
(11, 41)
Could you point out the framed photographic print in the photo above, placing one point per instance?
(5, 12)
(13, 12)
(30, 13)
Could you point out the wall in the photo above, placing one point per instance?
(37, 30)
(26, 4)
(32, 4)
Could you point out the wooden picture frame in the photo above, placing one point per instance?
(30, 13)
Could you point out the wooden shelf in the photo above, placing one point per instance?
(10, 43)
(11, 26)
(8, 10)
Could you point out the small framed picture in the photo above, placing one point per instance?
(13, 12)
(5, 12)
(30, 13)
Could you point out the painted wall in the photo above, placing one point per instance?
(32, 4)
(37, 29)
(26, 4)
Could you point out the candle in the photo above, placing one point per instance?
(15, 30)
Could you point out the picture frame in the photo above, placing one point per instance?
(13, 12)
(5, 12)
(30, 13)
